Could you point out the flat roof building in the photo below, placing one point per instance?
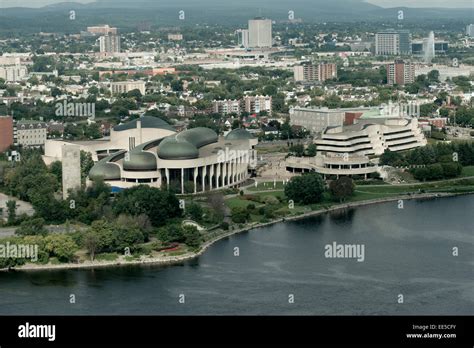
(260, 33)
(6, 132)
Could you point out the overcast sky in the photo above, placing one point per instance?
(383, 3)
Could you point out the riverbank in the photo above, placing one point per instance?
(169, 260)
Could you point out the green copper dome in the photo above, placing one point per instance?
(147, 122)
(140, 161)
(238, 134)
(186, 144)
(105, 169)
(173, 149)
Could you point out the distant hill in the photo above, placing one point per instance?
(126, 14)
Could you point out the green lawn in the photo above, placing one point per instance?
(362, 193)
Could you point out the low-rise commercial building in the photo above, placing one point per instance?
(127, 86)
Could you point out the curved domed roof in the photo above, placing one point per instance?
(173, 149)
(147, 122)
(238, 134)
(186, 144)
(140, 161)
(105, 171)
(199, 136)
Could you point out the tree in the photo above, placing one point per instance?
(195, 211)
(99, 238)
(192, 237)
(86, 164)
(297, 150)
(61, 245)
(56, 169)
(32, 227)
(342, 188)
(158, 205)
(171, 233)
(11, 208)
(216, 204)
(240, 215)
(306, 189)
(127, 237)
(311, 150)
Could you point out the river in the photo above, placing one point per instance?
(282, 269)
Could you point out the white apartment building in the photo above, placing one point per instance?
(110, 44)
(13, 73)
(257, 104)
(31, 133)
(225, 107)
(260, 33)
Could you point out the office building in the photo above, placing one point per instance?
(317, 120)
(345, 150)
(393, 42)
(260, 33)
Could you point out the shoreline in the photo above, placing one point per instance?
(170, 260)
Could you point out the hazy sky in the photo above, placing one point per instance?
(383, 3)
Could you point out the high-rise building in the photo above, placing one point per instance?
(102, 30)
(315, 72)
(6, 132)
(393, 42)
(260, 33)
(470, 30)
(109, 44)
(243, 37)
(400, 72)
